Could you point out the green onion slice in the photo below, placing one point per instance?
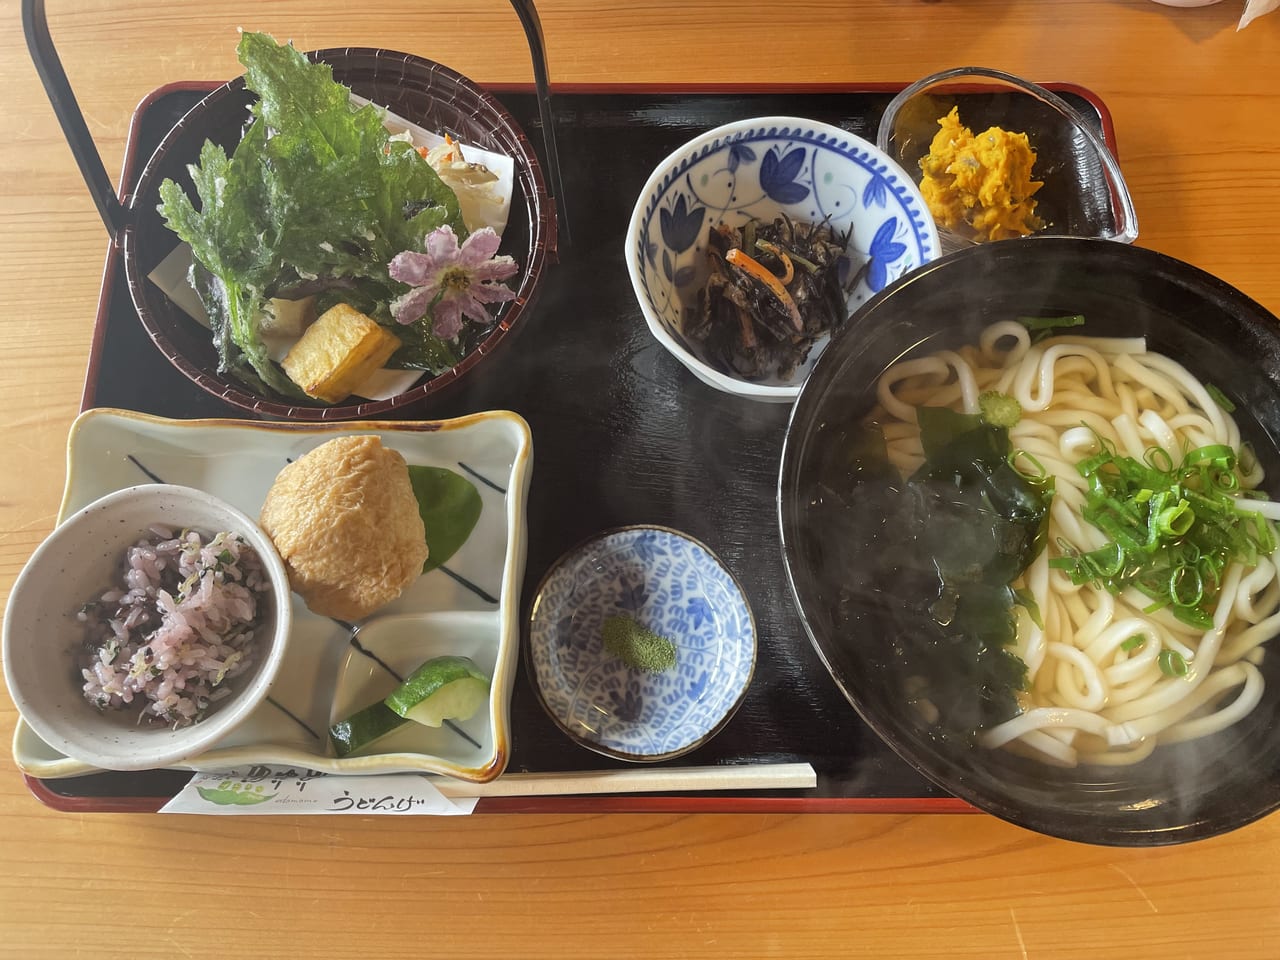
(1172, 663)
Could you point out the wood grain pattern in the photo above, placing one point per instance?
(1194, 104)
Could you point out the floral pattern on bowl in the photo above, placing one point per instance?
(670, 584)
(760, 169)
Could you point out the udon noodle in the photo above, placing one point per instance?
(1093, 693)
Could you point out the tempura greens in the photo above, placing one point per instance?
(316, 198)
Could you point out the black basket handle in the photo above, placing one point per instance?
(40, 44)
(54, 78)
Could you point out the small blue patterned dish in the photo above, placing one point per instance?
(759, 169)
(669, 584)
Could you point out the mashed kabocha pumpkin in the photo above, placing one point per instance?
(981, 181)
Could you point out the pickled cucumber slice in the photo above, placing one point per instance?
(444, 688)
(364, 727)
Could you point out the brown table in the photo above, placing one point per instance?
(1195, 106)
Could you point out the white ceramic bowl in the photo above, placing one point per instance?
(758, 169)
(80, 560)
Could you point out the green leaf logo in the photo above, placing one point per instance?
(233, 798)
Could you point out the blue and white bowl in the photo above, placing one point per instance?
(670, 584)
(758, 169)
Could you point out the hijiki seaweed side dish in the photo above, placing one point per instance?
(775, 289)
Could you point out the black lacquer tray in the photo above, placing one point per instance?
(623, 434)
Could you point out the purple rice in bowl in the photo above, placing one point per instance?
(185, 628)
(169, 639)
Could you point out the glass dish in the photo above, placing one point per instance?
(1084, 192)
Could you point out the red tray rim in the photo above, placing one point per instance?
(648, 803)
(613, 803)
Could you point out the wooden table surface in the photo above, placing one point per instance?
(1196, 106)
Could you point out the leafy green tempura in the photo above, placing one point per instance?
(316, 198)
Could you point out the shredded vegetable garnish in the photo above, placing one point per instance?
(1219, 398)
(754, 268)
(1172, 530)
(788, 271)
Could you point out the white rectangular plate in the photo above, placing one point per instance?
(238, 460)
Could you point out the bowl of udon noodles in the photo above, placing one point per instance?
(1028, 512)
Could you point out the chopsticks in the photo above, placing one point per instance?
(747, 776)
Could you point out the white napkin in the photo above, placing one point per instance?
(1256, 8)
(492, 213)
(266, 790)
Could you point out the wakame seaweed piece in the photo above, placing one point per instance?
(1023, 506)
(1041, 328)
(941, 561)
(953, 538)
(1002, 515)
(974, 535)
(1052, 323)
(926, 563)
(973, 682)
(958, 442)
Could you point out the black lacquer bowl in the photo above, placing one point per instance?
(1181, 792)
(419, 90)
